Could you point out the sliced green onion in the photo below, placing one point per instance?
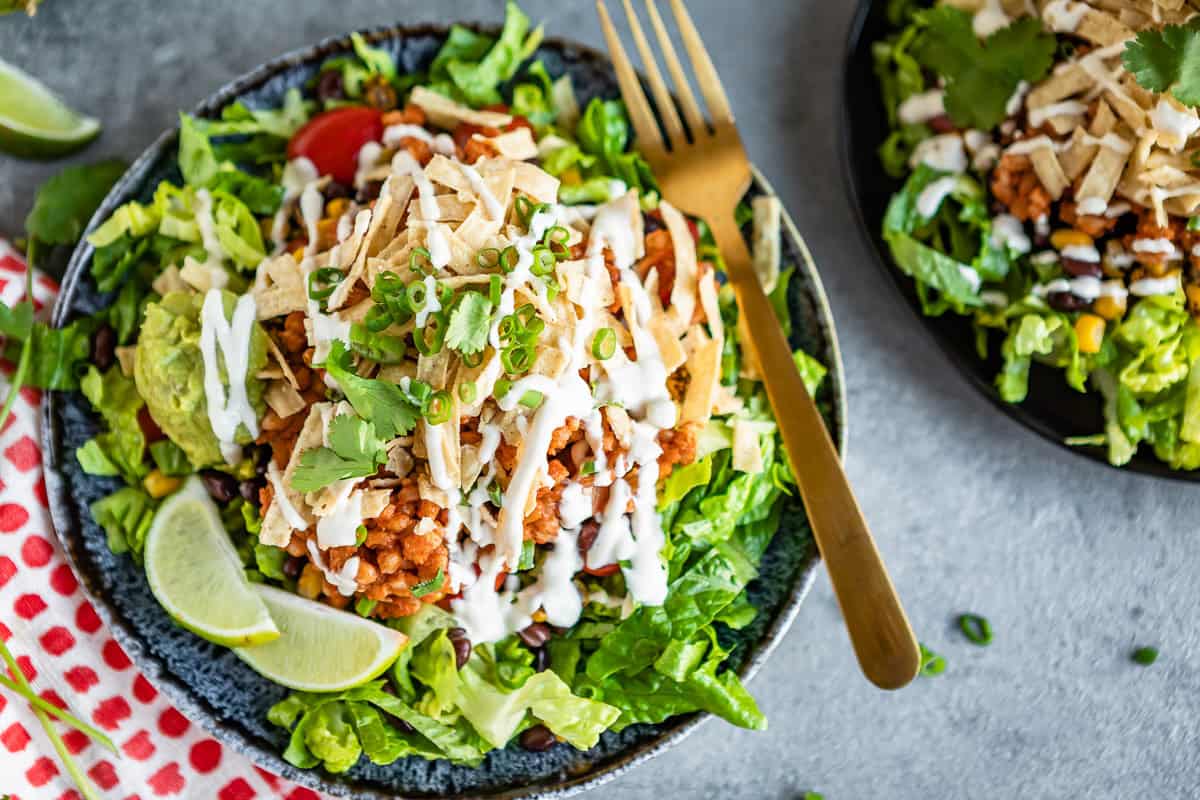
(931, 663)
(386, 283)
(976, 628)
(378, 319)
(360, 535)
(543, 261)
(532, 398)
(508, 327)
(363, 606)
(430, 339)
(526, 314)
(527, 552)
(604, 344)
(467, 392)
(415, 258)
(323, 282)
(495, 289)
(552, 290)
(509, 258)
(524, 208)
(588, 468)
(419, 392)
(502, 387)
(472, 360)
(533, 330)
(517, 358)
(487, 258)
(417, 294)
(495, 494)
(430, 586)
(439, 408)
(1144, 656)
(378, 347)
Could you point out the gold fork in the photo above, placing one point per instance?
(707, 175)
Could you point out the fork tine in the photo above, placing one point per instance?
(687, 100)
(662, 95)
(650, 140)
(706, 73)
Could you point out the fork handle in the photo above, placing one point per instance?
(883, 640)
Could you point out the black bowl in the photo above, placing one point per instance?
(1052, 409)
(219, 692)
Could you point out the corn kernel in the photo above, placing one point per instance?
(539, 616)
(327, 230)
(1110, 307)
(1193, 296)
(571, 177)
(310, 582)
(1067, 237)
(298, 253)
(1089, 330)
(159, 485)
(336, 207)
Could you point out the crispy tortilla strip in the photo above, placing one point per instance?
(747, 454)
(1062, 83)
(400, 461)
(284, 368)
(275, 529)
(727, 401)
(168, 281)
(768, 245)
(283, 398)
(269, 373)
(202, 277)
(280, 289)
(535, 182)
(704, 367)
(1102, 29)
(445, 113)
(125, 357)
(1103, 175)
(516, 144)
(478, 228)
(683, 291)
(374, 501)
(382, 210)
(1077, 156)
(669, 346)
(451, 208)
(621, 424)
(1049, 171)
(751, 369)
(711, 306)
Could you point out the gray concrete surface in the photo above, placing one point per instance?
(1073, 563)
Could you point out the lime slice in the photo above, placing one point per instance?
(321, 649)
(197, 576)
(34, 123)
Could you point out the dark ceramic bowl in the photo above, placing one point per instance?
(219, 692)
(1053, 410)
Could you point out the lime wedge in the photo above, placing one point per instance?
(34, 123)
(197, 576)
(321, 649)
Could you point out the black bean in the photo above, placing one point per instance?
(330, 85)
(335, 189)
(1073, 266)
(535, 635)
(249, 490)
(538, 738)
(369, 191)
(293, 566)
(104, 346)
(587, 536)
(262, 459)
(222, 487)
(541, 659)
(1065, 301)
(652, 222)
(462, 646)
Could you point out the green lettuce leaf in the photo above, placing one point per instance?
(121, 449)
(125, 516)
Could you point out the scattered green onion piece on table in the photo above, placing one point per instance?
(976, 628)
(604, 344)
(1144, 656)
(64, 716)
(932, 664)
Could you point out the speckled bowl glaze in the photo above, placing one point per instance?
(216, 690)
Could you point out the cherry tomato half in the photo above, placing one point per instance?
(331, 140)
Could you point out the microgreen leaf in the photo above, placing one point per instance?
(981, 76)
(1167, 60)
(469, 322)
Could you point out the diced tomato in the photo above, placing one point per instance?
(465, 130)
(499, 108)
(331, 140)
(695, 230)
(149, 427)
(603, 572)
(519, 122)
(503, 576)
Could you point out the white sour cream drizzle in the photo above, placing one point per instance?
(944, 152)
(439, 246)
(290, 515)
(1038, 116)
(922, 107)
(490, 203)
(344, 580)
(202, 205)
(441, 143)
(931, 197)
(1063, 16)
(298, 175)
(227, 411)
(1008, 232)
(1146, 287)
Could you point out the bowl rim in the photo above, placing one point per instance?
(853, 175)
(67, 524)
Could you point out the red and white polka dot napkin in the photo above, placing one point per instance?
(71, 660)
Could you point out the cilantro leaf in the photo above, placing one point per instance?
(1167, 60)
(381, 403)
(66, 202)
(981, 76)
(469, 319)
(355, 451)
